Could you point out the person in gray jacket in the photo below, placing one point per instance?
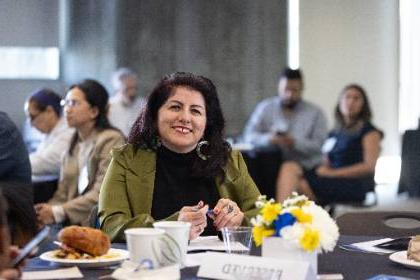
(287, 122)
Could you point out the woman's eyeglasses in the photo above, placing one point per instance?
(69, 102)
(32, 118)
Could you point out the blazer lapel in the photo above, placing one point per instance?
(141, 180)
(225, 187)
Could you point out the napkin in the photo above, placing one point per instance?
(128, 270)
(63, 273)
(369, 246)
(206, 243)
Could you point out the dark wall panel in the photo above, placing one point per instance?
(239, 44)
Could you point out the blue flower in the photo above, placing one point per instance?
(282, 221)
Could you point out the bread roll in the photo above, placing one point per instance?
(85, 239)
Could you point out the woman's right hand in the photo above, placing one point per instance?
(197, 216)
(12, 273)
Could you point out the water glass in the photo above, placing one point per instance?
(238, 240)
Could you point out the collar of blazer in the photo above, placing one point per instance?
(143, 162)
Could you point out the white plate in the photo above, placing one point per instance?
(114, 256)
(401, 258)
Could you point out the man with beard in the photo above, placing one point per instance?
(286, 122)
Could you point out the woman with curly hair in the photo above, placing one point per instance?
(177, 165)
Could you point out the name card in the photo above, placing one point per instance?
(230, 266)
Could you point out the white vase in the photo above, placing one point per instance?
(276, 247)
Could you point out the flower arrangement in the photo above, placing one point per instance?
(299, 220)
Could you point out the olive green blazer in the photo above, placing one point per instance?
(125, 199)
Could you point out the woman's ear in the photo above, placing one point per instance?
(94, 112)
(50, 109)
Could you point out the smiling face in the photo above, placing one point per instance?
(182, 120)
(351, 103)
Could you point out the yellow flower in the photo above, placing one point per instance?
(309, 240)
(270, 211)
(301, 216)
(259, 233)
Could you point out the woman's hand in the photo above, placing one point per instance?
(227, 214)
(325, 171)
(196, 215)
(44, 214)
(12, 273)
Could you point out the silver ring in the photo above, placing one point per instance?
(230, 208)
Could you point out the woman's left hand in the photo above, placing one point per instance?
(325, 171)
(44, 214)
(227, 214)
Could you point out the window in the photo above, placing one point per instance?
(29, 63)
(293, 34)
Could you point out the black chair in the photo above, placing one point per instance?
(263, 166)
(386, 223)
(410, 162)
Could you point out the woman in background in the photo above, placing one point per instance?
(351, 152)
(177, 165)
(43, 109)
(85, 163)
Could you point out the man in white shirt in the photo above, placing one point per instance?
(126, 104)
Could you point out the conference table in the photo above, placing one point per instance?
(352, 265)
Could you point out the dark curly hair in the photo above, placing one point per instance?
(144, 133)
(365, 113)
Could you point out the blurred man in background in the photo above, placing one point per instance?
(126, 104)
(286, 122)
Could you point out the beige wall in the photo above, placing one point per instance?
(353, 41)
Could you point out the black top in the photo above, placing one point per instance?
(175, 187)
(348, 148)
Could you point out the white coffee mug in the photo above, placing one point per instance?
(146, 245)
(179, 231)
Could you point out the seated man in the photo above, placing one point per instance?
(43, 109)
(285, 125)
(286, 122)
(125, 105)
